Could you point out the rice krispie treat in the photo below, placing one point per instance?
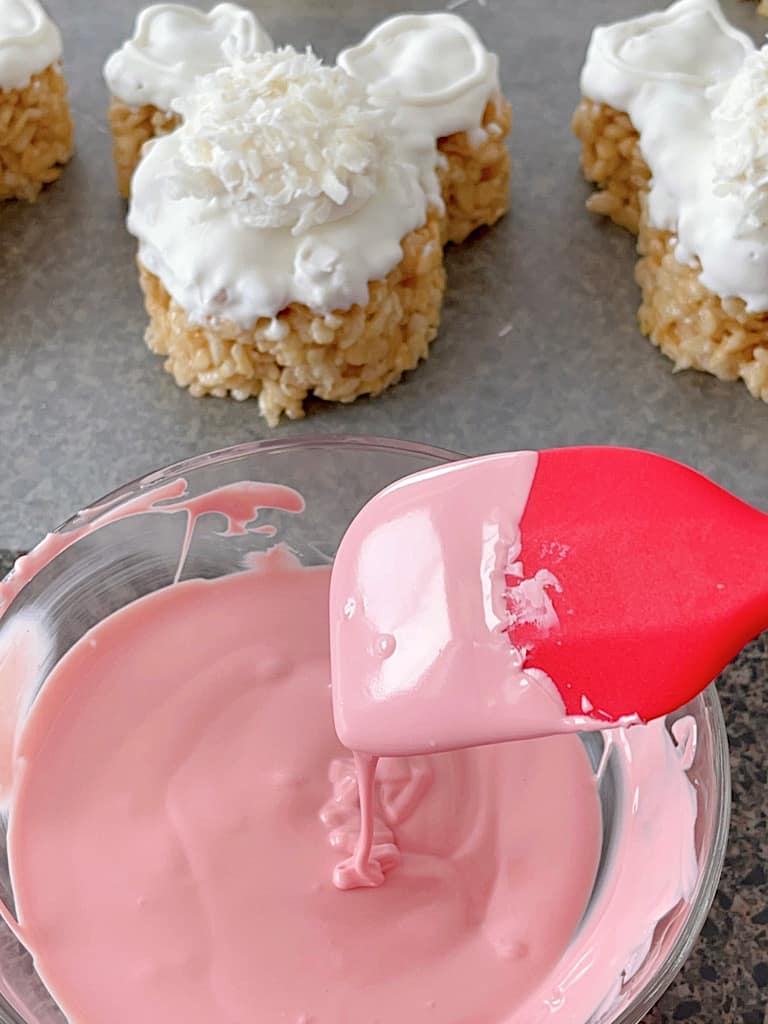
(675, 136)
(35, 123)
(289, 238)
(444, 83)
(171, 45)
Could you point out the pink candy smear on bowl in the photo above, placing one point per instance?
(180, 802)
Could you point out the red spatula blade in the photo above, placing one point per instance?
(663, 578)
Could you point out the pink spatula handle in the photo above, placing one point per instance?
(663, 578)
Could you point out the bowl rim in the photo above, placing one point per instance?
(701, 901)
(268, 446)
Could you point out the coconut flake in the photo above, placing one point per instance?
(741, 141)
(282, 140)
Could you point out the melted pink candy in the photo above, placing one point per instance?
(23, 642)
(370, 860)
(426, 584)
(183, 801)
(239, 503)
(173, 832)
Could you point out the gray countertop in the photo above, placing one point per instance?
(539, 347)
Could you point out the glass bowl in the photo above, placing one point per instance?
(101, 571)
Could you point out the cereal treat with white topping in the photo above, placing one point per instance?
(673, 125)
(611, 159)
(444, 84)
(35, 123)
(171, 45)
(303, 258)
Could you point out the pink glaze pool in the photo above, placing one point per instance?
(179, 802)
(169, 858)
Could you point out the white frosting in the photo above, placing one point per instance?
(433, 67)
(741, 141)
(172, 44)
(283, 184)
(689, 45)
(669, 71)
(29, 42)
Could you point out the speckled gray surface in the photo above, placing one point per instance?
(539, 347)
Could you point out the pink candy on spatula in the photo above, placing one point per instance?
(532, 593)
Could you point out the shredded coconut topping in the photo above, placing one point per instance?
(741, 141)
(283, 141)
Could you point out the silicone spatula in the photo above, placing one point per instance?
(625, 579)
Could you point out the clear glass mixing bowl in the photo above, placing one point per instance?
(124, 560)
